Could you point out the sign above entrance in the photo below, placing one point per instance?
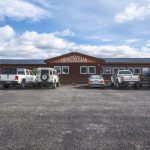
(74, 59)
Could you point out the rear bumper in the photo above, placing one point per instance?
(96, 85)
(9, 82)
(43, 83)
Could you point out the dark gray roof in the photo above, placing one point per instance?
(127, 60)
(22, 61)
(108, 60)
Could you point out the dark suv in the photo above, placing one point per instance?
(145, 78)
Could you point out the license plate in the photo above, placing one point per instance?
(96, 82)
(8, 82)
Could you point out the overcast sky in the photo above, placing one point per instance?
(46, 28)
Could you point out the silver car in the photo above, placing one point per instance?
(96, 81)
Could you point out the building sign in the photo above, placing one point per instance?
(74, 59)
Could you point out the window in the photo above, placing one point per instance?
(50, 72)
(131, 69)
(22, 72)
(91, 69)
(9, 71)
(122, 68)
(125, 72)
(54, 72)
(145, 71)
(58, 68)
(137, 70)
(102, 70)
(83, 70)
(31, 73)
(44, 72)
(65, 69)
(27, 72)
(107, 70)
(115, 70)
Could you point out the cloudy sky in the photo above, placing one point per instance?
(46, 28)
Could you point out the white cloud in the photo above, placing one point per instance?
(21, 10)
(130, 41)
(133, 12)
(113, 51)
(46, 45)
(6, 33)
(33, 45)
(66, 32)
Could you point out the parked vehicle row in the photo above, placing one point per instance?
(121, 79)
(48, 77)
(24, 77)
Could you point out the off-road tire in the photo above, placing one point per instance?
(54, 85)
(5, 86)
(23, 84)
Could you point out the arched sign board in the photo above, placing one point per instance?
(74, 57)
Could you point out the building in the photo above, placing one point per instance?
(75, 67)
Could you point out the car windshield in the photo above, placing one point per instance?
(96, 77)
(125, 72)
(9, 71)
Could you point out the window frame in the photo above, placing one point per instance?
(131, 68)
(60, 69)
(102, 68)
(63, 68)
(89, 69)
(109, 72)
(143, 70)
(82, 67)
(114, 69)
(139, 69)
(122, 68)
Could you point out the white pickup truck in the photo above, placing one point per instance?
(124, 78)
(47, 77)
(17, 76)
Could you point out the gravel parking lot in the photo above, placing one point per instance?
(74, 117)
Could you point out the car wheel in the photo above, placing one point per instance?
(23, 84)
(58, 84)
(54, 85)
(117, 85)
(37, 85)
(135, 86)
(5, 86)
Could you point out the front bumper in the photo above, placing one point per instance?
(130, 83)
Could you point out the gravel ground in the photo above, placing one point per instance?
(74, 117)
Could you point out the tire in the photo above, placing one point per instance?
(117, 85)
(135, 86)
(37, 86)
(44, 77)
(23, 84)
(5, 86)
(58, 84)
(54, 85)
(112, 84)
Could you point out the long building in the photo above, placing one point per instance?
(75, 67)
